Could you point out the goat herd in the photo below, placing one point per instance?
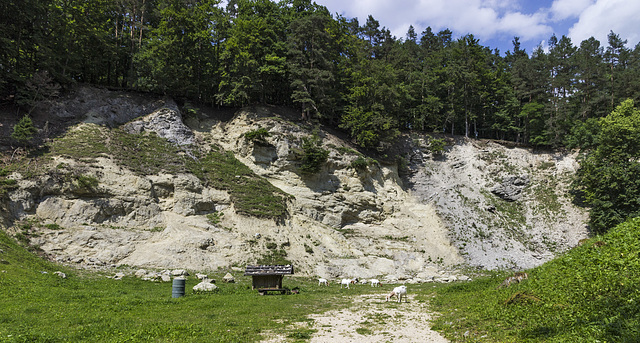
(398, 292)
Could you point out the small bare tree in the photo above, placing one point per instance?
(40, 88)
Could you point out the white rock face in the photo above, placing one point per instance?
(538, 219)
(342, 222)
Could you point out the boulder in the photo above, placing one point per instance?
(61, 274)
(205, 286)
(229, 278)
(179, 272)
(511, 187)
(166, 122)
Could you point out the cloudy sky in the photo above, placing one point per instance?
(496, 22)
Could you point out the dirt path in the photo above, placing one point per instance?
(372, 320)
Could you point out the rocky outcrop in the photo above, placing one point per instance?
(103, 107)
(511, 187)
(342, 221)
(166, 122)
(496, 218)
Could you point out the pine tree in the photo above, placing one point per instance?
(24, 130)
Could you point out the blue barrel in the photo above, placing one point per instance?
(178, 288)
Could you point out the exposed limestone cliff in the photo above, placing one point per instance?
(341, 222)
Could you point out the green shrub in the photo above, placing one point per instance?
(314, 156)
(302, 334)
(437, 145)
(87, 182)
(360, 163)
(257, 136)
(215, 218)
(348, 151)
(308, 249)
(271, 245)
(24, 130)
(54, 226)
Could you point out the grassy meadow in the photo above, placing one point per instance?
(89, 307)
(589, 294)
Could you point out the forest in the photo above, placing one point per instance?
(341, 72)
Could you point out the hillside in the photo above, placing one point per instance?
(590, 294)
(108, 193)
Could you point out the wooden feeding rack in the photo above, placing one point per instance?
(268, 278)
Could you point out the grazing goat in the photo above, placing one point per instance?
(400, 291)
(516, 278)
(375, 283)
(347, 282)
(323, 282)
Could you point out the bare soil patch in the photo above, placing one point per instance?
(372, 320)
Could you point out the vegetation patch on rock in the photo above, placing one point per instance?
(251, 194)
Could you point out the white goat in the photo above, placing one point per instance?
(323, 282)
(400, 291)
(375, 283)
(347, 282)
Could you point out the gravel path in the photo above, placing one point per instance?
(372, 320)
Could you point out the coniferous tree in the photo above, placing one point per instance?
(254, 55)
(590, 76)
(311, 53)
(24, 130)
(616, 57)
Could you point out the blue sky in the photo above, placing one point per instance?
(496, 22)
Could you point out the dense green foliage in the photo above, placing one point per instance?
(258, 136)
(314, 155)
(353, 75)
(608, 174)
(589, 295)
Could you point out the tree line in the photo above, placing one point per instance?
(352, 75)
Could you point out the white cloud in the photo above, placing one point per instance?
(527, 27)
(619, 16)
(501, 20)
(483, 18)
(565, 9)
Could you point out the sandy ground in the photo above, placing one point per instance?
(372, 320)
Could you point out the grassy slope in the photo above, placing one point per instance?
(591, 294)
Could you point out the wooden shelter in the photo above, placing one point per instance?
(268, 278)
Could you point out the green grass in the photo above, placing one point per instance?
(88, 307)
(251, 194)
(591, 294)
(141, 153)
